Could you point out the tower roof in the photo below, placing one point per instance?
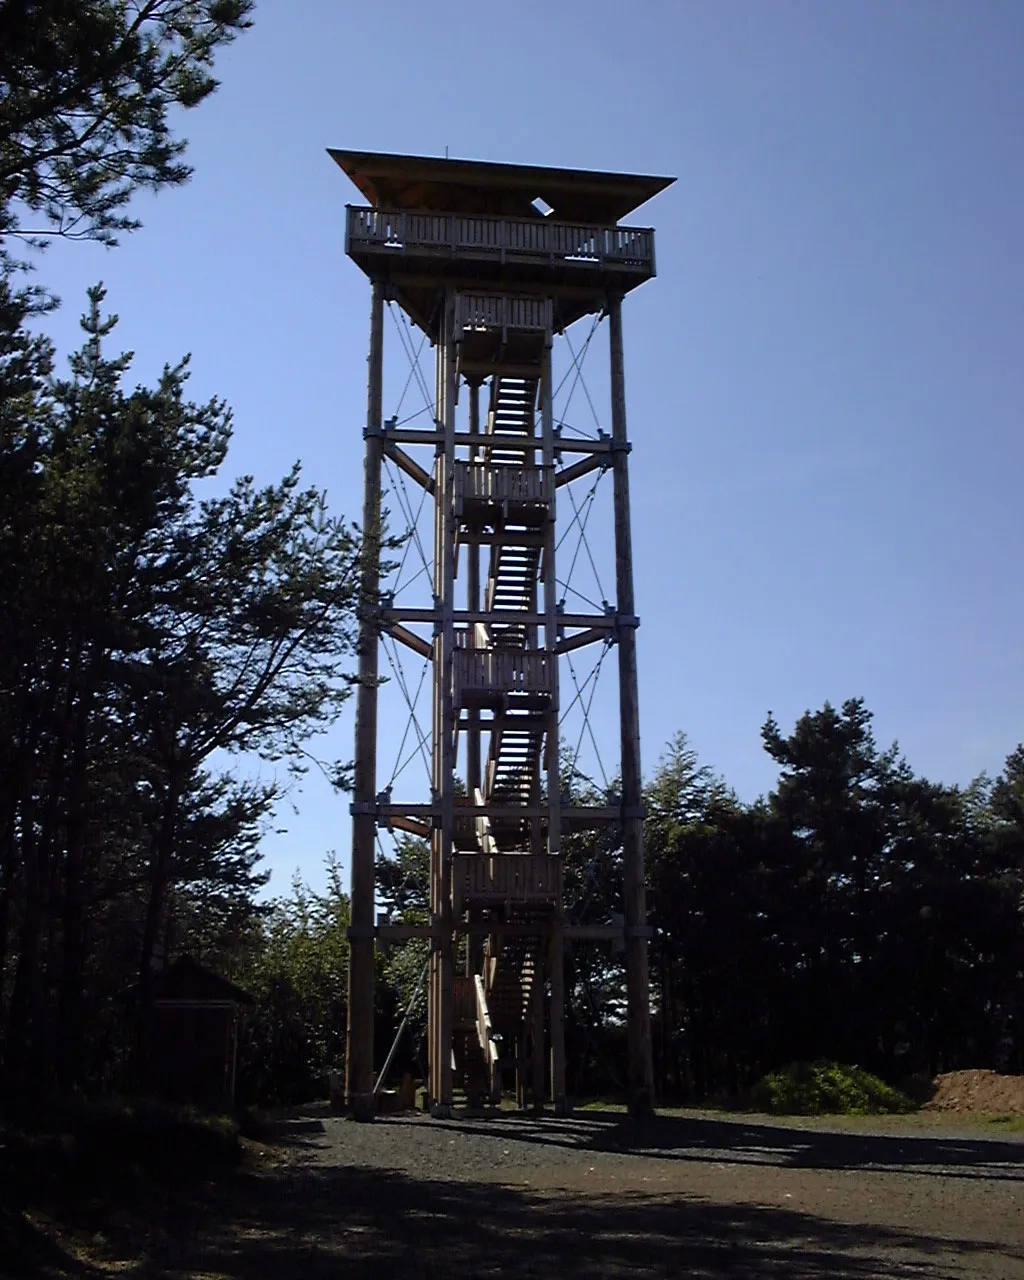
(473, 186)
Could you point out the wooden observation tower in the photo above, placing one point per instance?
(492, 263)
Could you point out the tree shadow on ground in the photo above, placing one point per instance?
(316, 1222)
(26, 1252)
(753, 1143)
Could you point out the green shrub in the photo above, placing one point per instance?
(116, 1144)
(826, 1088)
(160, 1139)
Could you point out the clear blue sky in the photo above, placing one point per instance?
(824, 382)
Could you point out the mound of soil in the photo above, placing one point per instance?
(980, 1091)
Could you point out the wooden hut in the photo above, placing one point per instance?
(192, 1049)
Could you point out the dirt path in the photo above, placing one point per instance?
(691, 1195)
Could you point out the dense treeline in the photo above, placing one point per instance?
(158, 622)
(149, 634)
(155, 620)
(860, 913)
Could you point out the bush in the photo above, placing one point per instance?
(156, 1138)
(826, 1088)
(116, 1144)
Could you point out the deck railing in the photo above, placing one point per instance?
(501, 311)
(526, 878)
(518, 486)
(567, 242)
(484, 671)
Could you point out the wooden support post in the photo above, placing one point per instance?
(444, 754)
(474, 778)
(536, 829)
(556, 960)
(554, 780)
(537, 1029)
(359, 1078)
(436, 845)
(638, 1009)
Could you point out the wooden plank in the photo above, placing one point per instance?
(551, 620)
(473, 775)
(576, 816)
(537, 1030)
(499, 440)
(445, 783)
(582, 468)
(411, 639)
(359, 1074)
(493, 928)
(593, 932)
(570, 643)
(638, 1011)
(406, 932)
(484, 368)
(556, 964)
(410, 825)
(604, 622)
(409, 465)
(491, 537)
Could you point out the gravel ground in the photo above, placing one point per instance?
(690, 1194)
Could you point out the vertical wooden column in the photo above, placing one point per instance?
(638, 1009)
(556, 960)
(444, 747)
(553, 778)
(474, 776)
(472, 551)
(359, 1049)
(437, 659)
(537, 1026)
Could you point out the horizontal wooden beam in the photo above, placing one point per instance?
(498, 537)
(406, 932)
(499, 929)
(572, 815)
(593, 932)
(499, 440)
(603, 622)
(484, 368)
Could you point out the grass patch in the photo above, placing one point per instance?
(827, 1088)
(1006, 1124)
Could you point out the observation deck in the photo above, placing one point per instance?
(432, 220)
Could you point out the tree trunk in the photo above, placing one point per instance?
(160, 871)
(7, 851)
(69, 1026)
(24, 1014)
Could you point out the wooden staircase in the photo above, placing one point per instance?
(510, 878)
